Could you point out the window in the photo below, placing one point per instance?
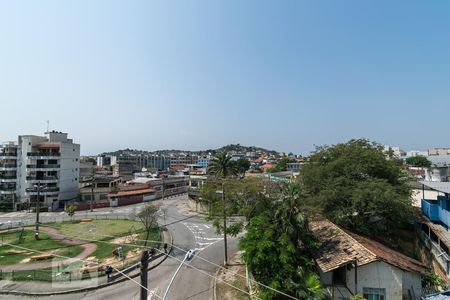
(374, 294)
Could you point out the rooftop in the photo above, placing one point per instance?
(443, 187)
(132, 193)
(339, 248)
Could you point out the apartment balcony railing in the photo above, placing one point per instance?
(434, 212)
(6, 179)
(43, 191)
(7, 187)
(439, 254)
(430, 209)
(43, 155)
(7, 192)
(45, 179)
(8, 167)
(52, 166)
(7, 155)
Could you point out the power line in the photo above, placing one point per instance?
(82, 260)
(141, 246)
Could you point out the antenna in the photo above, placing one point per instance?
(48, 125)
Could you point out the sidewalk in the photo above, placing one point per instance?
(40, 288)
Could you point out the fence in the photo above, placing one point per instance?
(61, 219)
(48, 275)
(438, 253)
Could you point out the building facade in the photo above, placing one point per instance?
(39, 168)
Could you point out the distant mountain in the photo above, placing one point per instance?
(234, 148)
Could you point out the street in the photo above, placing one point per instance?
(193, 281)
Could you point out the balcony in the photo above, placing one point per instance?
(8, 167)
(45, 179)
(430, 209)
(6, 179)
(7, 192)
(52, 167)
(437, 210)
(7, 155)
(43, 155)
(44, 191)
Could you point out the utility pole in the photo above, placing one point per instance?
(144, 274)
(38, 206)
(225, 261)
(92, 191)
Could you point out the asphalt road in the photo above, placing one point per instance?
(194, 279)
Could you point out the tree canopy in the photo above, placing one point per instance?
(281, 165)
(276, 246)
(418, 161)
(359, 186)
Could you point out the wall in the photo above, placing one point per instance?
(378, 275)
(417, 196)
(69, 174)
(412, 281)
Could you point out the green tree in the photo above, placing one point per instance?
(221, 167)
(71, 211)
(357, 185)
(276, 246)
(281, 165)
(241, 166)
(418, 161)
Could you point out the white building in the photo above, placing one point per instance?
(350, 264)
(48, 163)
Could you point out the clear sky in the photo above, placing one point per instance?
(286, 75)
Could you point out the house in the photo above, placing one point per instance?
(435, 224)
(439, 169)
(267, 166)
(351, 264)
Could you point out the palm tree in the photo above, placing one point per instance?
(222, 167)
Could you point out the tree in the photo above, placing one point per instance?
(222, 167)
(241, 166)
(276, 246)
(71, 210)
(281, 165)
(357, 185)
(149, 218)
(418, 161)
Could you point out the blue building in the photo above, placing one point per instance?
(435, 227)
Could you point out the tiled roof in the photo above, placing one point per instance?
(339, 248)
(391, 256)
(132, 192)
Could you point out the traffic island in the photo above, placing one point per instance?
(29, 287)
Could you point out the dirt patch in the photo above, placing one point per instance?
(234, 275)
(15, 251)
(129, 239)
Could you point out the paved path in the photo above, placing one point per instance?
(88, 249)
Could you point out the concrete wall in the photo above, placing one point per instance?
(69, 174)
(375, 275)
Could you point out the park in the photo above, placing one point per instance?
(73, 250)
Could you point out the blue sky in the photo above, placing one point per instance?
(286, 75)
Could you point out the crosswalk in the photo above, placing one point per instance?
(203, 233)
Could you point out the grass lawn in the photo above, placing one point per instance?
(96, 229)
(108, 233)
(45, 244)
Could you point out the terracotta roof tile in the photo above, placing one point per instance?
(339, 248)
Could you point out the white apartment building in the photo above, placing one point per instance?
(50, 164)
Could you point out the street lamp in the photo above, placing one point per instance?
(37, 187)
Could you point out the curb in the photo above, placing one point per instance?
(215, 283)
(87, 289)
